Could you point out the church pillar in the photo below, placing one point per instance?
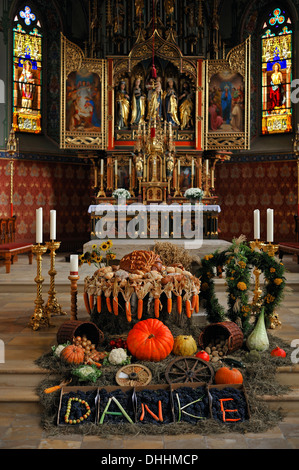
(110, 105)
(199, 106)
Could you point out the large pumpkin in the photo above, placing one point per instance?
(150, 340)
(73, 354)
(184, 345)
(225, 375)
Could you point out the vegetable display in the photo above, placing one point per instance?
(258, 338)
(226, 375)
(184, 345)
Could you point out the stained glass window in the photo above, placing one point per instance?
(27, 71)
(277, 73)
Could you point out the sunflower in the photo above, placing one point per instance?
(109, 243)
(94, 247)
(111, 256)
(104, 246)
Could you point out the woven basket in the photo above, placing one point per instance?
(72, 328)
(229, 329)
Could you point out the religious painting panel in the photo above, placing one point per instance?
(27, 72)
(83, 116)
(277, 74)
(227, 101)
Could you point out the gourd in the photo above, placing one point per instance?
(73, 354)
(203, 355)
(150, 340)
(258, 338)
(184, 346)
(278, 352)
(226, 375)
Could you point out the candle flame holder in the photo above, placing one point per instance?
(74, 278)
(101, 192)
(40, 316)
(53, 307)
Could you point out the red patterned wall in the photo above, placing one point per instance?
(244, 187)
(60, 186)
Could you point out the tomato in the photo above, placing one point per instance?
(203, 355)
(278, 352)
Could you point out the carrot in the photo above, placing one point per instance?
(91, 301)
(140, 309)
(52, 389)
(179, 304)
(188, 308)
(115, 305)
(160, 410)
(193, 303)
(128, 311)
(197, 304)
(142, 412)
(169, 304)
(86, 302)
(151, 413)
(108, 303)
(99, 303)
(157, 307)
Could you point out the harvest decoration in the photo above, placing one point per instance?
(141, 273)
(237, 263)
(226, 375)
(98, 255)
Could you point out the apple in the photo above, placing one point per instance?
(203, 355)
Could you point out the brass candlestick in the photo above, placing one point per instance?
(101, 192)
(74, 292)
(270, 249)
(40, 316)
(256, 245)
(53, 307)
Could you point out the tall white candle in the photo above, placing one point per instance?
(192, 168)
(52, 225)
(74, 261)
(257, 224)
(179, 167)
(102, 167)
(270, 225)
(39, 225)
(212, 178)
(130, 167)
(115, 167)
(207, 167)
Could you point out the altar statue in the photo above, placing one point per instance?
(171, 103)
(169, 164)
(138, 103)
(186, 106)
(123, 106)
(154, 99)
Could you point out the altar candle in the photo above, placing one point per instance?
(130, 167)
(179, 167)
(212, 178)
(270, 225)
(207, 166)
(102, 167)
(74, 269)
(52, 225)
(256, 220)
(39, 225)
(192, 168)
(115, 167)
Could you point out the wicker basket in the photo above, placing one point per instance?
(72, 328)
(229, 329)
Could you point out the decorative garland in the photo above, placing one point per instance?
(238, 262)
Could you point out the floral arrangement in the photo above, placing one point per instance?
(237, 262)
(121, 193)
(194, 194)
(99, 254)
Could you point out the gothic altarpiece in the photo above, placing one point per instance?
(154, 133)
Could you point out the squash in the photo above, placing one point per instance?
(226, 375)
(150, 340)
(184, 346)
(73, 354)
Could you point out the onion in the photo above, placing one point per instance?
(258, 338)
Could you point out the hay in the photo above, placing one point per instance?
(259, 379)
(173, 254)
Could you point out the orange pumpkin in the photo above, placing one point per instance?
(150, 340)
(225, 375)
(73, 354)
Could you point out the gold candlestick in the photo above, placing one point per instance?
(270, 249)
(101, 192)
(53, 307)
(40, 316)
(74, 292)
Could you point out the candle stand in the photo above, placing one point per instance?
(74, 278)
(40, 316)
(53, 307)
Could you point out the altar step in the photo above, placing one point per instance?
(18, 385)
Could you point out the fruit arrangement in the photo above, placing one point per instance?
(82, 351)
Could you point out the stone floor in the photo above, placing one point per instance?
(20, 422)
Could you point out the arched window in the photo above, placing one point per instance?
(277, 56)
(27, 71)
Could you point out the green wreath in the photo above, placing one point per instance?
(237, 262)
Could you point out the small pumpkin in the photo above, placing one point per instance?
(278, 352)
(184, 345)
(150, 340)
(226, 375)
(203, 355)
(73, 354)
